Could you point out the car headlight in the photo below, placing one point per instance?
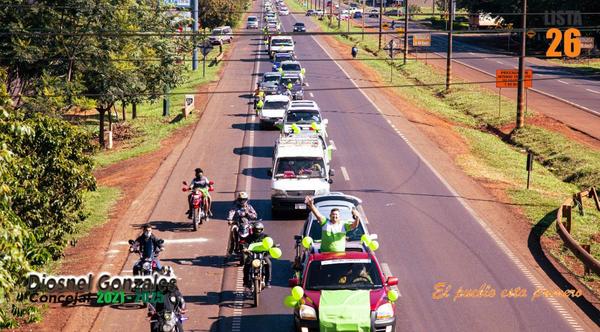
(320, 191)
(308, 312)
(277, 192)
(147, 266)
(256, 263)
(385, 311)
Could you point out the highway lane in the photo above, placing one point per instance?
(426, 234)
(196, 256)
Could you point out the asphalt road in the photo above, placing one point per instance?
(426, 234)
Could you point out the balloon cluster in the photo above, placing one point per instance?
(266, 245)
(372, 244)
(293, 300)
(392, 295)
(314, 127)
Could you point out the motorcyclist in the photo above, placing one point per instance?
(148, 244)
(257, 236)
(172, 301)
(354, 51)
(241, 208)
(202, 182)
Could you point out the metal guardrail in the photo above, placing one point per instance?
(582, 252)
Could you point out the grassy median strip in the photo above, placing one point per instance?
(563, 166)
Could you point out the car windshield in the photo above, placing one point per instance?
(300, 167)
(275, 105)
(345, 214)
(217, 32)
(303, 117)
(271, 78)
(281, 42)
(252, 19)
(287, 80)
(291, 67)
(283, 57)
(299, 24)
(343, 274)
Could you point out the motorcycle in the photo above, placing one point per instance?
(169, 320)
(146, 265)
(199, 215)
(257, 273)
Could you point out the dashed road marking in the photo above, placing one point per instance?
(345, 173)
(593, 91)
(499, 62)
(311, 95)
(563, 82)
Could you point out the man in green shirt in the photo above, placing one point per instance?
(334, 230)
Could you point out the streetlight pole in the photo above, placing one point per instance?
(521, 85)
(195, 30)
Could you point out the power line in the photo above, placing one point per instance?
(313, 89)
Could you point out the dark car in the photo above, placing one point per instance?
(299, 27)
(310, 12)
(278, 58)
(357, 15)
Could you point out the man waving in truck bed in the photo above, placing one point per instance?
(333, 229)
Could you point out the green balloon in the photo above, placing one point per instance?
(267, 242)
(307, 241)
(364, 238)
(275, 252)
(392, 295)
(297, 293)
(289, 301)
(374, 245)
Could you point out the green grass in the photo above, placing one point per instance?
(587, 66)
(151, 127)
(98, 205)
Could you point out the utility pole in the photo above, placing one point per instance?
(449, 54)
(339, 14)
(405, 31)
(195, 30)
(380, 21)
(521, 85)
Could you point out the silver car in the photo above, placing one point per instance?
(252, 22)
(324, 203)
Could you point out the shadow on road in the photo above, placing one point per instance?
(256, 323)
(246, 126)
(535, 247)
(172, 226)
(257, 172)
(257, 151)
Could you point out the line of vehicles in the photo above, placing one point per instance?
(340, 290)
(343, 290)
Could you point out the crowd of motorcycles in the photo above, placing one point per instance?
(169, 316)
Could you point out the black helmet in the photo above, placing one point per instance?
(198, 170)
(258, 227)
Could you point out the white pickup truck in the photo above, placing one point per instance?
(301, 167)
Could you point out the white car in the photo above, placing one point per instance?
(284, 11)
(252, 22)
(273, 110)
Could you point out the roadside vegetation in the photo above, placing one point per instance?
(57, 89)
(563, 166)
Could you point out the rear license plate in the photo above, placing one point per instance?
(300, 206)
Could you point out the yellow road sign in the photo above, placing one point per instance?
(530, 34)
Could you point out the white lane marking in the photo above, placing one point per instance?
(500, 62)
(475, 216)
(471, 53)
(311, 95)
(307, 84)
(345, 173)
(563, 82)
(592, 91)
